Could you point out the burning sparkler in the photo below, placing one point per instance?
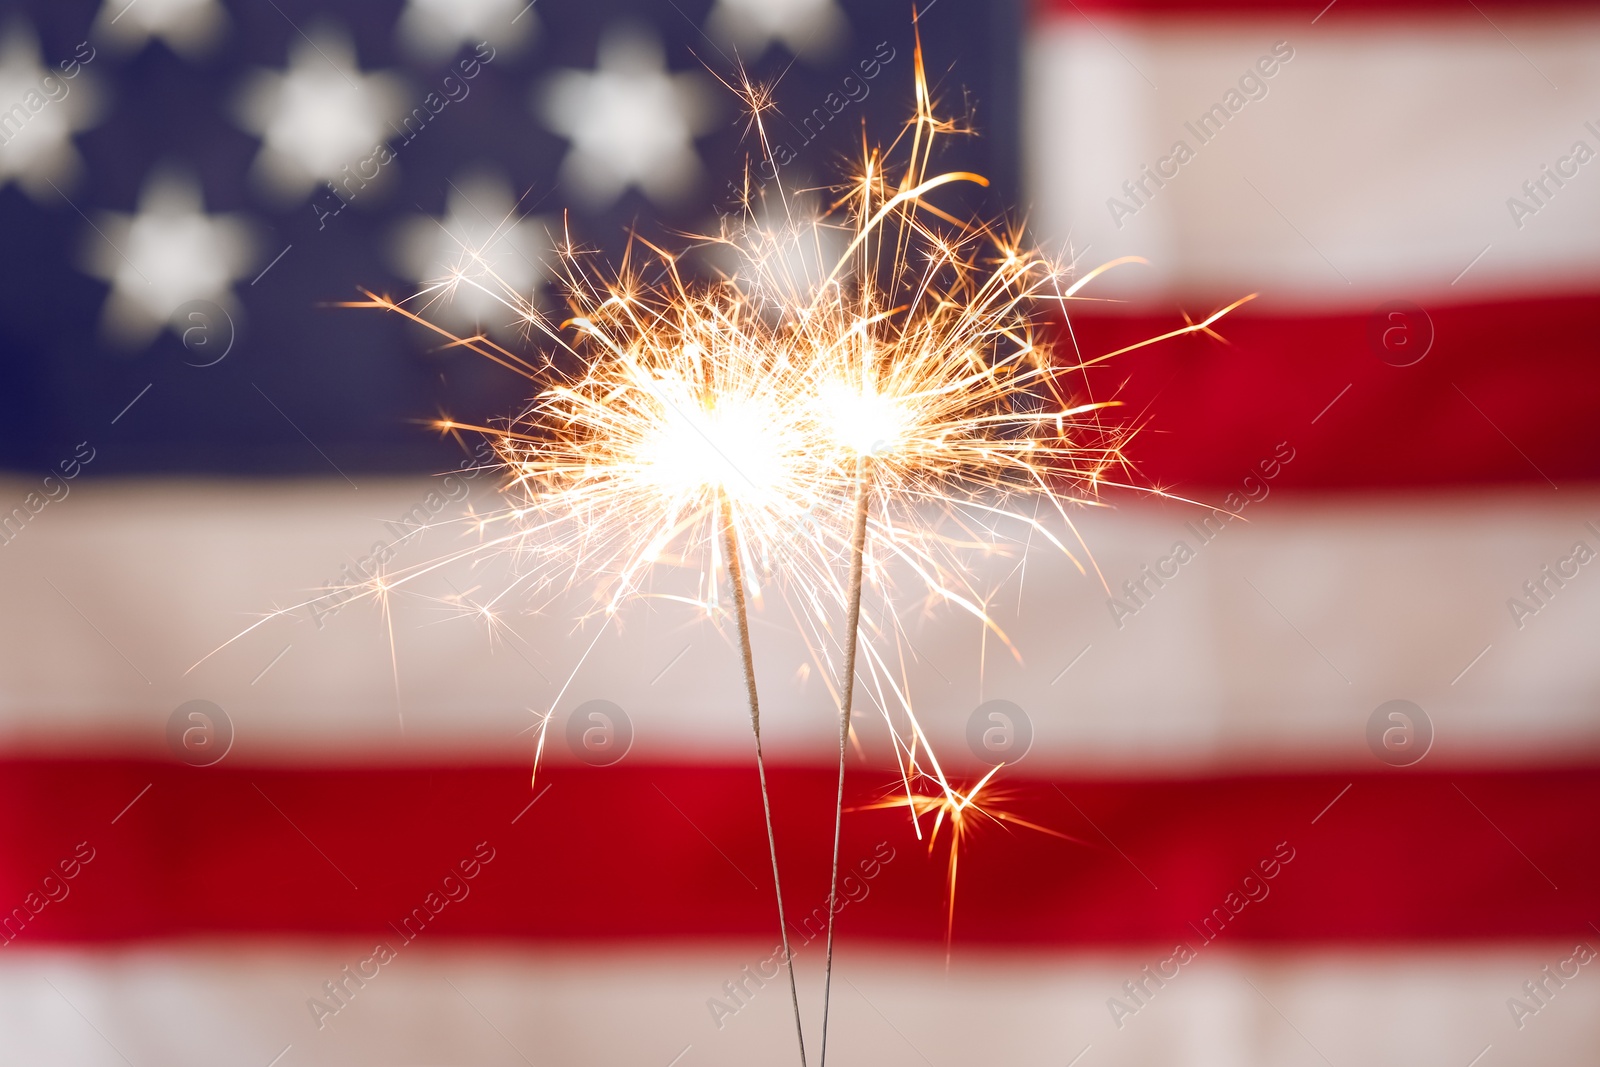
(802, 411)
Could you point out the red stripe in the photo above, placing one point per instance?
(1507, 394)
(630, 852)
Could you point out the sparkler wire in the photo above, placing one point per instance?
(847, 689)
(730, 537)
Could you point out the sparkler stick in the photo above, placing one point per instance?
(847, 689)
(730, 540)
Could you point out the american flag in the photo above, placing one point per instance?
(1333, 751)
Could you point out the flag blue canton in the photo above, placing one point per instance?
(187, 187)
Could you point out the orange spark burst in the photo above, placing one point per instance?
(967, 811)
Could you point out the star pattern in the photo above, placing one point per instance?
(811, 29)
(318, 116)
(166, 254)
(631, 122)
(331, 132)
(40, 110)
(191, 28)
(482, 230)
(436, 29)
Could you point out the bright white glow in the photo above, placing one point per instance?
(861, 419)
(731, 443)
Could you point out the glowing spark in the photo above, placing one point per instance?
(966, 811)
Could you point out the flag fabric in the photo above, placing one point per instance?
(1323, 745)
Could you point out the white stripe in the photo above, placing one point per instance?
(232, 1002)
(1377, 166)
(1269, 649)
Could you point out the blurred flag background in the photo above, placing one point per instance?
(1333, 763)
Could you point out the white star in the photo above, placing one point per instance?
(189, 27)
(480, 233)
(319, 116)
(168, 253)
(40, 110)
(631, 123)
(436, 29)
(808, 28)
